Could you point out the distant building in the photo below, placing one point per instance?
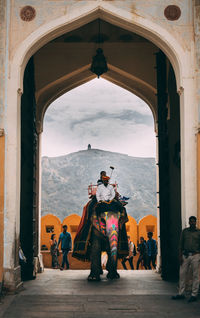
(89, 147)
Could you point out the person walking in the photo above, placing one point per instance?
(66, 245)
(142, 249)
(54, 251)
(189, 255)
(151, 251)
(132, 252)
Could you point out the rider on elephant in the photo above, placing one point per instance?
(102, 228)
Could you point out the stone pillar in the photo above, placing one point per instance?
(39, 189)
(2, 158)
(188, 114)
(197, 47)
(3, 32)
(198, 179)
(12, 269)
(9, 117)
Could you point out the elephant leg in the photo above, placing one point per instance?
(95, 257)
(112, 234)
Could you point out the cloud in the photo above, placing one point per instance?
(125, 115)
(102, 114)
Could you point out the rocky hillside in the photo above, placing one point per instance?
(65, 180)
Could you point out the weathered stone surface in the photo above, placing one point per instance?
(138, 294)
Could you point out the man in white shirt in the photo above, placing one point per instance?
(132, 252)
(105, 191)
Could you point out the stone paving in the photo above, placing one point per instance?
(67, 294)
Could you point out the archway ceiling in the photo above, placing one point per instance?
(64, 63)
(108, 33)
(59, 87)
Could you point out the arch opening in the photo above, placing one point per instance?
(103, 108)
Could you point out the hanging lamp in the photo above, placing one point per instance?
(99, 64)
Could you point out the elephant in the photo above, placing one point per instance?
(102, 228)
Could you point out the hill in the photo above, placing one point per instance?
(65, 180)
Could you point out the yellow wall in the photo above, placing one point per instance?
(72, 221)
(132, 229)
(2, 149)
(46, 221)
(147, 224)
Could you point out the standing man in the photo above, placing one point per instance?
(151, 251)
(66, 245)
(142, 249)
(189, 255)
(132, 252)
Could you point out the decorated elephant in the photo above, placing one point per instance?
(102, 228)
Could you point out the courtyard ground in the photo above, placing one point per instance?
(68, 294)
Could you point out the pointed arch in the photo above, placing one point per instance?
(142, 26)
(54, 90)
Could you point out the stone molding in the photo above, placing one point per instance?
(27, 13)
(180, 91)
(12, 279)
(172, 12)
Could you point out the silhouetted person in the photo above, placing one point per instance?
(151, 251)
(66, 245)
(54, 251)
(142, 249)
(132, 252)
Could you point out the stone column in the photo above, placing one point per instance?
(197, 47)
(188, 115)
(198, 179)
(12, 269)
(2, 158)
(39, 189)
(3, 32)
(8, 120)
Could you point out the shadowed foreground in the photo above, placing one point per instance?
(56, 294)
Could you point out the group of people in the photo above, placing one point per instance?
(147, 253)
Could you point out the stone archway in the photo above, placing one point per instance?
(156, 34)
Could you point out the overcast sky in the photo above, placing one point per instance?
(103, 115)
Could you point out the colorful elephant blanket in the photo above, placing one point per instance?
(108, 220)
